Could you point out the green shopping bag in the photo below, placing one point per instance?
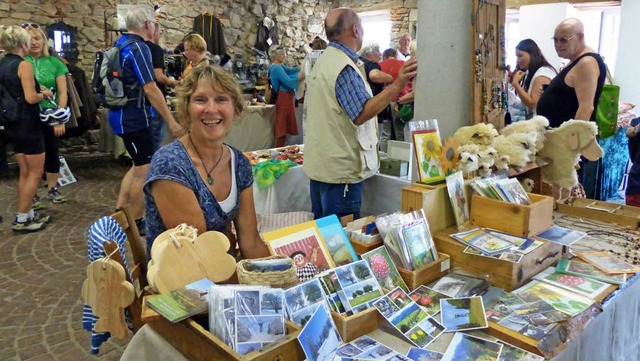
(607, 112)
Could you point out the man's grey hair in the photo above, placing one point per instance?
(137, 16)
(368, 48)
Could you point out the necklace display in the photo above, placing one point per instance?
(209, 178)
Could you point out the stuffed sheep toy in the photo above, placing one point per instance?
(527, 184)
(468, 162)
(563, 148)
(480, 134)
(501, 162)
(536, 126)
(517, 146)
(486, 160)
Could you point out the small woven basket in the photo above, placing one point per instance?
(281, 279)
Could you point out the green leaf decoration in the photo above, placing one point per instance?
(434, 172)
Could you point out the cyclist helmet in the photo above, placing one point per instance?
(55, 115)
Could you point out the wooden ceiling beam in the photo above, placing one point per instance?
(515, 4)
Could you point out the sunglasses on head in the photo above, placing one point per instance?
(30, 25)
(562, 40)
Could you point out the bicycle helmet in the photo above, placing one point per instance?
(55, 115)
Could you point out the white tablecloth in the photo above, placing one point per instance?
(380, 193)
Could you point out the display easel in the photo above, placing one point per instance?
(488, 32)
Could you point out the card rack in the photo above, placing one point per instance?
(488, 62)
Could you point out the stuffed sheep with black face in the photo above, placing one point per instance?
(480, 134)
(468, 162)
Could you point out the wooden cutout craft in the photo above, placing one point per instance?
(180, 258)
(108, 293)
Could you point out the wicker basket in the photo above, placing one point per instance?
(282, 279)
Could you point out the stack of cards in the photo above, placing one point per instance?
(351, 288)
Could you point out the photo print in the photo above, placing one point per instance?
(461, 314)
(466, 347)
(428, 299)
(420, 354)
(319, 338)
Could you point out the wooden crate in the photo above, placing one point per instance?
(503, 274)
(362, 248)
(428, 273)
(513, 218)
(435, 202)
(602, 211)
(196, 343)
(354, 326)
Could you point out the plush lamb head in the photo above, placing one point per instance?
(468, 162)
(527, 184)
(516, 146)
(486, 160)
(563, 148)
(480, 134)
(502, 162)
(537, 126)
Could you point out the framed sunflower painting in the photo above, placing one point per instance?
(426, 143)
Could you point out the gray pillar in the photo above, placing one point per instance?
(443, 85)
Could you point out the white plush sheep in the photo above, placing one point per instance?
(468, 162)
(536, 126)
(527, 184)
(480, 134)
(486, 160)
(501, 162)
(516, 146)
(563, 148)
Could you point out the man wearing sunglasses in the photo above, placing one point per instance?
(575, 91)
(133, 122)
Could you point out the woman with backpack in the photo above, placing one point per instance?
(50, 74)
(23, 130)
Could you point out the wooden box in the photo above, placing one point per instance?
(602, 211)
(503, 274)
(362, 248)
(435, 202)
(513, 218)
(196, 343)
(428, 273)
(354, 326)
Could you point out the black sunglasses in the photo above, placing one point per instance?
(30, 25)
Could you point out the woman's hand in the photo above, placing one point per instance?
(47, 94)
(59, 130)
(517, 77)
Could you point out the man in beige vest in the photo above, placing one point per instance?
(341, 140)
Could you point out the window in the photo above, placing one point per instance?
(377, 28)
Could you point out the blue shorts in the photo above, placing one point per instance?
(339, 199)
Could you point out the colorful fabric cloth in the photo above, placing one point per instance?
(268, 172)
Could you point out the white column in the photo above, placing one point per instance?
(538, 22)
(627, 73)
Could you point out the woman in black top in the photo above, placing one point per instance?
(25, 134)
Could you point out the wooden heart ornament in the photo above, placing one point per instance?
(180, 258)
(108, 293)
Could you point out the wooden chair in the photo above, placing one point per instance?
(138, 267)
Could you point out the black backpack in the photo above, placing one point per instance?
(9, 106)
(108, 86)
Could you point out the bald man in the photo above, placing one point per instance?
(341, 141)
(574, 93)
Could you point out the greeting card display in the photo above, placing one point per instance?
(302, 300)
(483, 241)
(562, 300)
(359, 287)
(588, 270)
(467, 347)
(608, 263)
(561, 235)
(366, 348)
(458, 198)
(581, 285)
(336, 240)
(427, 299)
(384, 269)
(319, 338)
(428, 150)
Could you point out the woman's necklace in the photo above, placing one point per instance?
(209, 178)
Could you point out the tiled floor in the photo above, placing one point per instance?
(41, 273)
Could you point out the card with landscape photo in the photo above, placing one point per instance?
(259, 329)
(319, 338)
(562, 300)
(561, 235)
(358, 284)
(483, 241)
(513, 191)
(428, 299)
(420, 247)
(336, 240)
(511, 353)
(578, 268)
(331, 287)
(301, 317)
(582, 285)
(608, 263)
(467, 347)
(462, 314)
(304, 244)
(364, 343)
(420, 354)
(405, 315)
(303, 295)
(458, 198)
(384, 269)
(431, 327)
(458, 285)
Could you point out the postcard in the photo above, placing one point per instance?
(582, 285)
(426, 144)
(466, 347)
(483, 241)
(513, 191)
(498, 312)
(565, 301)
(405, 315)
(458, 198)
(364, 343)
(461, 314)
(359, 286)
(303, 295)
(531, 308)
(348, 350)
(380, 352)
(336, 240)
(319, 338)
(512, 353)
(305, 245)
(608, 263)
(525, 245)
(420, 354)
(427, 299)
(514, 322)
(182, 303)
(457, 285)
(417, 238)
(384, 269)
(560, 235)
(588, 270)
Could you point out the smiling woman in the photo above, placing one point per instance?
(198, 179)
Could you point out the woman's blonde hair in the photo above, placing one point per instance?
(45, 45)
(195, 42)
(13, 37)
(221, 81)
